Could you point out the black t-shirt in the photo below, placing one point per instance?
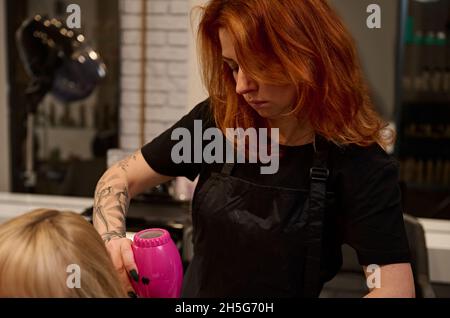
(368, 213)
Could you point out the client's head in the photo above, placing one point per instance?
(42, 251)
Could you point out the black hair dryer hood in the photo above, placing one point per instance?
(59, 59)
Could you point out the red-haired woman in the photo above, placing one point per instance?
(290, 65)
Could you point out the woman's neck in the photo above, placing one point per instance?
(293, 132)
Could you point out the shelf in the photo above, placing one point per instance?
(428, 187)
(435, 113)
(423, 148)
(424, 102)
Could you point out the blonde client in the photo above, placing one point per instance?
(40, 250)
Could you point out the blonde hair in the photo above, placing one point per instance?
(37, 248)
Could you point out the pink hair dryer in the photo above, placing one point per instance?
(159, 265)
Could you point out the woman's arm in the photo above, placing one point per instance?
(396, 281)
(119, 184)
(114, 191)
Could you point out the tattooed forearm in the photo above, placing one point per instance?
(108, 236)
(112, 178)
(110, 207)
(98, 215)
(123, 198)
(125, 162)
(120, 218)
(111, 202)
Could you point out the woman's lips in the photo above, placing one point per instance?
(257, 104)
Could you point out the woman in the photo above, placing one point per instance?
(41, 252)
(289, 65)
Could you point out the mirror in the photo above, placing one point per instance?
(71, 138)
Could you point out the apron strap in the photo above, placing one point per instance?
(319, 174)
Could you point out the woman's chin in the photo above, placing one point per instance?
(268, 112)
(264, 113)
(269, 115)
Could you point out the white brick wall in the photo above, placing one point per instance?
(166, 69)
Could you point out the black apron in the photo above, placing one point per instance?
(254, 240)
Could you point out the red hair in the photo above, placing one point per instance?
(308, 46)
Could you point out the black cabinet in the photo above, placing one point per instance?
(423, 114)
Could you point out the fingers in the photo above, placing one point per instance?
(114, 248)
(128, 260)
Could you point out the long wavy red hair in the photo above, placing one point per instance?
(298, 42)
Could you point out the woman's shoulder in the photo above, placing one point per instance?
(361, 160)
(202, 111)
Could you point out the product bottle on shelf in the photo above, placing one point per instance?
(415, 64)
(441, 61)
(429, 172)
(429, 64)
(407, 170)
(439, 172)
(446, 82)
(446, 174)
(447, 62)
(436, 80)
(420, 172)
(410, 59)
(426, 80)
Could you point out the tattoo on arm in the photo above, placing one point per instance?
(100, 195)
(111, 204)
(124, 199)
(112, 178)
(120, 217)
(125, 162)
(108, 236)
(98, 214)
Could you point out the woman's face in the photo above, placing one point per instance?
(269, 101)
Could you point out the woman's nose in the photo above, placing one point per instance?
(244, 84)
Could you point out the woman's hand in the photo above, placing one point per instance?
(114, 191)
(123, 259)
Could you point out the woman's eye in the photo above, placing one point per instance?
(235, 71)
(234, 68)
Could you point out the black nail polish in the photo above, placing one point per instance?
(134, 275)
(145, 281)
(132, 295)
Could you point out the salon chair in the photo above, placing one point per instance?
(419, 257)
(350, 282)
